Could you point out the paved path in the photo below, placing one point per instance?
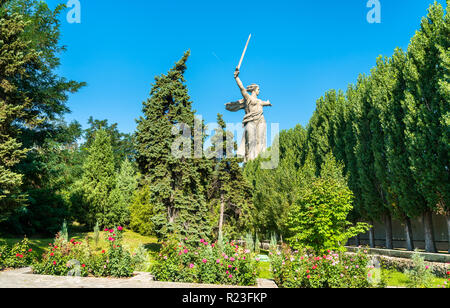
(23, 278)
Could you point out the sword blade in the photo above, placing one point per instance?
(243, 54)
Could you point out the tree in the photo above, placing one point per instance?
(177, 184)
(318, 220)
(228, 189)
(15, 57)
(426, 108)
(98, 182)
(122, 194)
(142, 212)
(122, 143)
(33, 98)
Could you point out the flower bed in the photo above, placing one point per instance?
(331, 270)
(16, 256)
(209, 263)
(66, 258)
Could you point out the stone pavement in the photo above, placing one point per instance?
(23, 278)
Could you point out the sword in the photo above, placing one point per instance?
(243, 54)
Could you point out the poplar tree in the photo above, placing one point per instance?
(177, 184)
(426, 107)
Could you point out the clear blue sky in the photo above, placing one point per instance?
(299, 50)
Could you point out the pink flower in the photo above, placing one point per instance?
(186, 251)
(165, 257)
(217, 261)
(231, 276)
(232, 259)
(111, 231)
(202, 241)
(191, 266)
(119, 228)
(54, 262)
(204, 260)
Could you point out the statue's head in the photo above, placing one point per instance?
(254, 89)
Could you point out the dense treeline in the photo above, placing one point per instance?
(391, 132)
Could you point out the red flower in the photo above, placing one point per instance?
(54, 262)
(309, 277)
(52, 254)
(103, 251)
(30, 250)
(83, 265)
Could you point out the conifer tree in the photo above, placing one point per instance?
(15, 57)
(122, 194)
(177, 184)
(99, 180)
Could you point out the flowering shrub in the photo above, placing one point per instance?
(65, 257)
(17, 256)
(205, 263)
(331, 270)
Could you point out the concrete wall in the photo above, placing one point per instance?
(398, 232)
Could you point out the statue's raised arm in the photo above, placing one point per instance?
(244, 92)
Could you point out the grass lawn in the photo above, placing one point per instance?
(399, 279)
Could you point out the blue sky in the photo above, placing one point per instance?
(299, 50)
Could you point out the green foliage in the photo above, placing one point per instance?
(177, 185)
(274, 191)
(420, 275)
(65, 257)
(318, 221)
(99, 180)
(122, 195)
(17, 256)
(229, 194)
(141, 212)
(331, 270)
(205, 263)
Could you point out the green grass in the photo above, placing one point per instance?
(399, 279)
(264, 268)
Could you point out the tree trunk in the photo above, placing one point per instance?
(448, 230)
(388, 228)
(372, 237)
(409, 234)
(222, 209)
(427, 220)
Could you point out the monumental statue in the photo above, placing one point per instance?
(255, 129)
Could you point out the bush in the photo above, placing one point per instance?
(63, 258)
(331, 270)
(205, 263)
(420, 275)
(18, 256)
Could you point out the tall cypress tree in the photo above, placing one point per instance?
(177, 185)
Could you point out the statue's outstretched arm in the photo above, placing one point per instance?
(267, 104)
(241, 85)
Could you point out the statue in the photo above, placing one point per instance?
(254, 139)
